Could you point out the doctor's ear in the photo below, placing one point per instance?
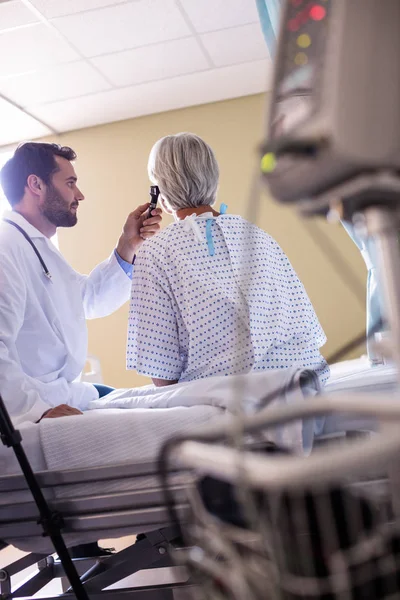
(35, 184)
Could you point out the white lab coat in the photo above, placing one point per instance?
(43, 333)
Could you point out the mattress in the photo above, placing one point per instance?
(135, 435)
(100, 438)
(130, 425)
(32, 445)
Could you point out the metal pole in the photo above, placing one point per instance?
(382, 225)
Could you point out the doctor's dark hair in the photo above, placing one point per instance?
(185, 169)
(31, 158)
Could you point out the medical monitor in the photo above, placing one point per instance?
(335, 107)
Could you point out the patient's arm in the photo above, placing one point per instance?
(163, 382)
(153, 345)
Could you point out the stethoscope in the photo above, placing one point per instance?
(36, 251)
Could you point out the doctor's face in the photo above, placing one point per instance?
(62, 197)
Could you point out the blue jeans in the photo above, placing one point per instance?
(103, 389)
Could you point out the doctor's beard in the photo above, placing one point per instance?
(56, 209)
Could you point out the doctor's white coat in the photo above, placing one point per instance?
(43, 332)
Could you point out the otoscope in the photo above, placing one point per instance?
(154, 193)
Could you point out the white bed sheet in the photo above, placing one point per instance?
(100, 438)
(361, 376)
(108, 435)
(69, 443)
(112, 437)
(130, 425)
(32, 445)
(356, 376)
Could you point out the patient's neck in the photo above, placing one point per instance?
(182, 213)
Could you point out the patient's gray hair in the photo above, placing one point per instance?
(185, 169)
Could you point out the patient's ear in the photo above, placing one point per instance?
(165, 206)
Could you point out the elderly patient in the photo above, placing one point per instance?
(213, 294)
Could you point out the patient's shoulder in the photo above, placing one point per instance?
(157, 245)
(237, 225)
(251, 239)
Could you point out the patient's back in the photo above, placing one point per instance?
(217, 296)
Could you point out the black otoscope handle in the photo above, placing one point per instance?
(154, 193)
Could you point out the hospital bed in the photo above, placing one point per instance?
(107, 487)
(121, 498)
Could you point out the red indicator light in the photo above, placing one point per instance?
(317, 13)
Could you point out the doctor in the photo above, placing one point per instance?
(44, 302)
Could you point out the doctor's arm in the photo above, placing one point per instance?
(108, 286)
(26, 398)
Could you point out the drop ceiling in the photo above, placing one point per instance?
(69, 64)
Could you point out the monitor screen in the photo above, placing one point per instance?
(300, 61)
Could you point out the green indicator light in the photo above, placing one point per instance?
(268, 162)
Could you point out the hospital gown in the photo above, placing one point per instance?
(194, 314)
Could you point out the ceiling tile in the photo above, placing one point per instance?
(15, 14)
(239, 44)
(59, 8)
(53, 84)
(152, 62)
(31, 48)
(17, 126)
(123, 26)
(187, 90)
(210, 15)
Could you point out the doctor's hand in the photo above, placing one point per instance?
(62, 410)
(138, 228)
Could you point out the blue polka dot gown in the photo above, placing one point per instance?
(242, 309)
